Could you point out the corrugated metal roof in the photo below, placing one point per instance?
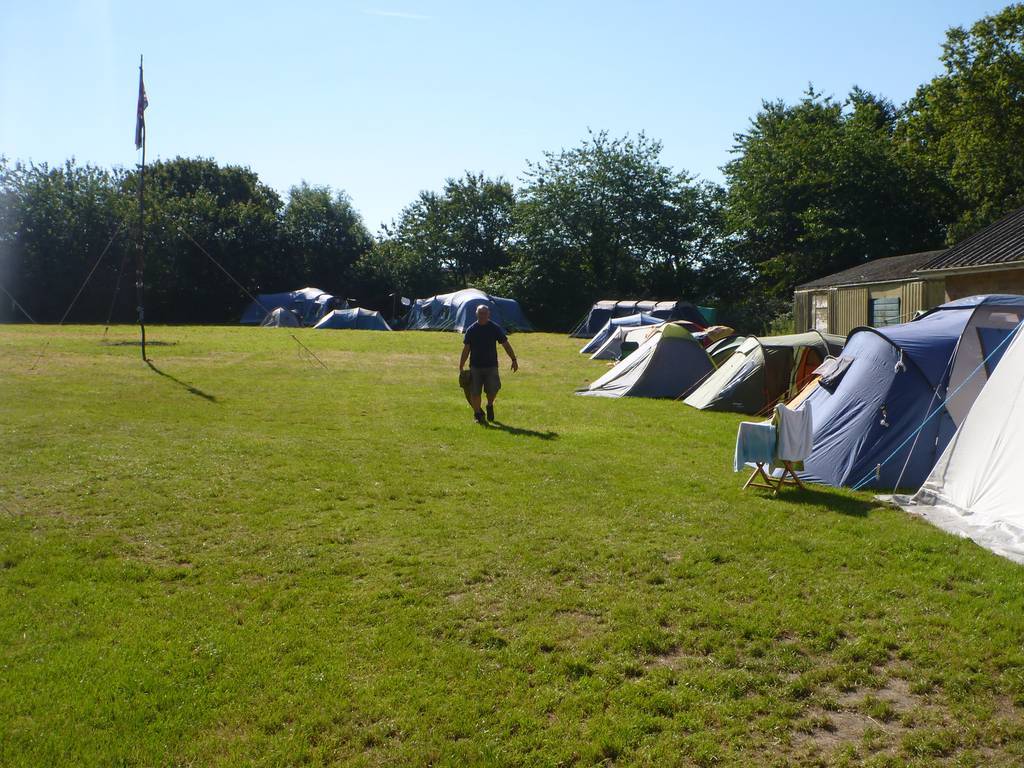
(875, 271)
(998, 243)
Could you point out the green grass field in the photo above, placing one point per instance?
(240, 558)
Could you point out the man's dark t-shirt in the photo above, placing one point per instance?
(483, 343)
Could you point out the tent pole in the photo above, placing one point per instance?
(140, 260)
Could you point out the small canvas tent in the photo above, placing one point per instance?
(763, 369)
(627, 321)
(972, 491)
(281, 318)
(869, 413)
(355, 319)
(457, 311)
(665, 365)
(308, 304)
(605, 310)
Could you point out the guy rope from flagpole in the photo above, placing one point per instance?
(140, 261)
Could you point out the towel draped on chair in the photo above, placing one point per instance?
(755, 443)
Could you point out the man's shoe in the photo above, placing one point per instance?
(479, 416)
(490, 412)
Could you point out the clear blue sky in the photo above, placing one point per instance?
(384, 98)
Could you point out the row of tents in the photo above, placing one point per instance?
(445, 312)
(933, 404)
(712, 368)
(867, 392)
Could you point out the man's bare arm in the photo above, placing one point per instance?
(465, 356)
(511, 354)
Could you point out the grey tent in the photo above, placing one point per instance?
(281, 318)
(355, 319)
(668, 364)
(763, 370)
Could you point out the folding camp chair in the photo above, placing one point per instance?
(794, 442)
(755, 446)
(784, 442)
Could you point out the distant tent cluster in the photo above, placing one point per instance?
(444, 312)
(310, 306)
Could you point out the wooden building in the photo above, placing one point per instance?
(894, 289)
(879, 292)
(990, 261)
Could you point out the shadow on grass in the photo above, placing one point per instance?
(523, 432)
(829, 500)
(106, 343)
(192, 390)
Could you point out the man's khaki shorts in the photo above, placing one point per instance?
(484, 379)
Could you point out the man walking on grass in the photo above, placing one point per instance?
(480, 347)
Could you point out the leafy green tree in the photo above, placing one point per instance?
(195, 206)
(323, 236)
(56, 223)
(392, 270)
(820, 186)
(969, 121)
(610, 219)
(464, 232)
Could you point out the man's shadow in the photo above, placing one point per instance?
(523, 432)
(188, 387)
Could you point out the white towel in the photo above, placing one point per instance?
(796, 432)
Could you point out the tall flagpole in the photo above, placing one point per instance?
(140, 260)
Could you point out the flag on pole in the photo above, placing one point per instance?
(140, 112)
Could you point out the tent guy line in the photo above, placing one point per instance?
(245, 290)
(18, 305)
(88, 277)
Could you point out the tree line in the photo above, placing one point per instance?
(812, 188)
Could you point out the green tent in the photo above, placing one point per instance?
(763, 371)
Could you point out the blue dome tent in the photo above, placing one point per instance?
(870, 413)
(355, 319)
(457, 311)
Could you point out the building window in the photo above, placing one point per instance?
(885, 311)
(821, 312)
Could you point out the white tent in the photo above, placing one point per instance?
(972, 491)
(281, 318)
